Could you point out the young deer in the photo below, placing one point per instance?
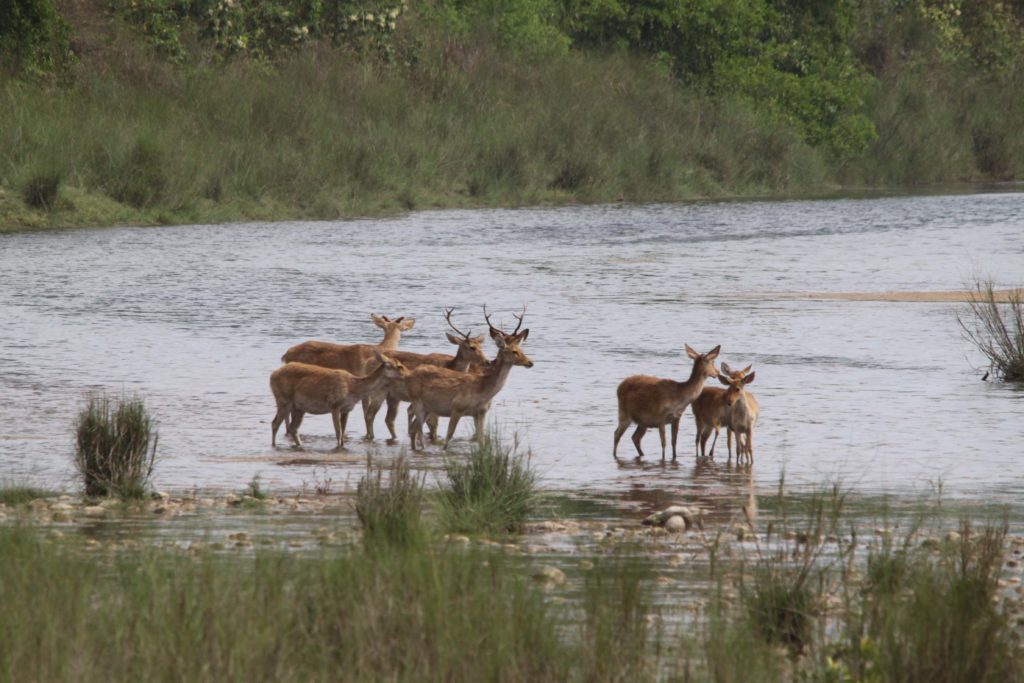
(358, 359)
(653, 402)
(451, 394)
(712, 409)
(742, 418)
(300, 388)
(470, 354)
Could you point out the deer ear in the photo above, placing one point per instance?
(408, 324)
(749, 378)
(377, 320)
(479, 339)
(521, 337)
(380, 356)
(713, 353)
(499, 338)
(726, 369)
(690, 352)
(452, 338)
(723, 379)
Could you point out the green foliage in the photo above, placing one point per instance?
(115, 447)
(41, 189)
(13, 493)
(390, 509)
(493, 490)
(33, 36)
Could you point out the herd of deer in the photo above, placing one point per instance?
(320, 377)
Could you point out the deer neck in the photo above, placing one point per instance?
(371, 382)
(391, 337)
(460, 362)
(692, 386)
(494, 376)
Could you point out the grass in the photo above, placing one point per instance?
(14, 493)
(390, 508)
(115, 447)
(493, 490)
(996, 328)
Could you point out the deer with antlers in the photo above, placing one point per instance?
(447, 393)
(654, 402)
(470, 354)
(357, 359)
(300, 388)
(713, 409)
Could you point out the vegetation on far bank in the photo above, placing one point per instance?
(157, 111)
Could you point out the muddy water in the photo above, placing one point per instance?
(884, 396)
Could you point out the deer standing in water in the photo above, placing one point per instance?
(300, 388)
(470, 354)
(451, 394)
(713, 409)
(742, 418)
(358, 359)
(653, 402)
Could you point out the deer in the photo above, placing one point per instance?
(358, 359)
(653, 402)
(470, 354)
(451, 394)
(742, 417)
(301, 388)
(712, 409)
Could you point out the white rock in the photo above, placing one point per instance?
(552, 576)
(675, 524)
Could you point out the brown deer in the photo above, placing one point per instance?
(742, 417)
(300, 388)
(470, 354)
(357, 359)
(451, 394)
(653, 402)
(712, 408)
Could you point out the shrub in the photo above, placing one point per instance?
(116, 447)
(997, 329)
(40, 192)
(493, 490)
(390, 509)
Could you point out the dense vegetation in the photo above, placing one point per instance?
(176, 110)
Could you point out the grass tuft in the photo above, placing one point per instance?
(12, 493)
(116, 447)
(493, 490)
(41, 190)
(997, 329)
(390, 508)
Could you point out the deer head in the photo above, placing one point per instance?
(704, 363)
(508, 342)
(471, 348)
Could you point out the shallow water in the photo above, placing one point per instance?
(883, 396)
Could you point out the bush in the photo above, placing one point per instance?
(33, 36)
(390, 510)
(493, 490)
(40, 192)
(116, 447)
(996, 327)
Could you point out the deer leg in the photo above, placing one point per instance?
(661, 434)
(637, 435)
(432, 427)
(282, 413)
(453, 422)
(675, 434)
(478, 424)
(749, 446)
(389, 417)
(728, 443)
(713, 443)
(416, 415)
(295, 422)
(705, 432)
(339, 431)
(619, 431)
(370, 408)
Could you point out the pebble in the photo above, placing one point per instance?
(675, 524)
(550, 576)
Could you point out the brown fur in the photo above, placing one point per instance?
(654, 402)
(357, 359)
(445, 392)
(710, 412)
(300, 388)
(742, 417)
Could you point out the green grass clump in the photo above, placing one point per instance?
(41, 189)
(390, 508)
(115, 447)
(996, 328)
(492, 490)
(12, 493)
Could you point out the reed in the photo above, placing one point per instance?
(390, 508)
(996, 328)
(115, 447)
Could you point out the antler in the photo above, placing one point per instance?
(448, 316)
(519, 317)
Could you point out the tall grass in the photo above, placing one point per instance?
(390, 508)
(115, 446)
(996, 328)
(493, 490)
(15, 493)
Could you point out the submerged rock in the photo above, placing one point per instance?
(690, 516)
(550, 576)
